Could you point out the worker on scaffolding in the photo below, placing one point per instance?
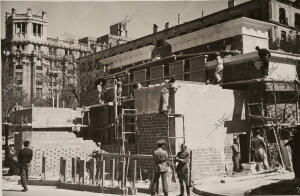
(264, 56)
(236, 155)
(119, 88)
(160, 157)
(182, 169)
(259, 148)
(101, 90)
(219, 68)
(165, 93)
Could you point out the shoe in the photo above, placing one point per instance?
(25, 189)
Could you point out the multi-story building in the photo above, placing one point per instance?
(41, 65)
(273, 24)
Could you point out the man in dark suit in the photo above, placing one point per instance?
(160, 157)
(24, 158)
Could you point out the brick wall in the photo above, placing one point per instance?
(151, 127)
(212, 161)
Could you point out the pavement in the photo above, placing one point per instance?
(237, 186)
(10, 187)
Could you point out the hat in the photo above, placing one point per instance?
(161, 141)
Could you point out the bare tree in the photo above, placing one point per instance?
(11, 95)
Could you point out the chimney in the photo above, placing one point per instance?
(155, 28)
(29, 13)
(44, 15)
(167, 25)
(231, 3)
(13, 12)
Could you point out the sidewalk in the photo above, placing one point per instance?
(237, 186)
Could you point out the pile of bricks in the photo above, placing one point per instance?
(52, 145)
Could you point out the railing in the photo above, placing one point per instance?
(107, 170)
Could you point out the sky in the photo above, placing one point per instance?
(93, 18)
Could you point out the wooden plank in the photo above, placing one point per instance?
(74, 172)
(44, 168)
(113, 164)
(103, 173)
(92, 168)
(134, 174)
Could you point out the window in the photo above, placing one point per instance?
(39, 67)
(297, 21)
(39, 79)
(19, 66)
(282, 17)
(37, 29)
(283, 35)
(19, 78)
(39, 92)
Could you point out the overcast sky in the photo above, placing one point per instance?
(94, 18)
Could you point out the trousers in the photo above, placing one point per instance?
(236, 163)
(24, 175)
(155, 181)
(264, 69)
(183, 179)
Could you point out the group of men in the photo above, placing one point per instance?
(102, 89)
(161, 158)
(258, 149)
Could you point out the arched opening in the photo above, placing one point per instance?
(282, 17)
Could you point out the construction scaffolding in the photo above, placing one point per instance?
(272, 107)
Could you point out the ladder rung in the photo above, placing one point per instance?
(129, 132)
(175, 137)
(253, 103)
(130, 115)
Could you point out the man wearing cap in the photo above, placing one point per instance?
(182, 169)
(160, 157)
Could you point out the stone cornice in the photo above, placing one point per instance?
(239, 26)
(130, 57)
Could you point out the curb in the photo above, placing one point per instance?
(41, 182)
(201, 192)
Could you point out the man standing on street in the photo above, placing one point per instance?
(236, 155)
(264, 55)
(24, 158)
(160, 157)
(182, 169)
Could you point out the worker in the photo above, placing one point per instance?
(294, 143)
(219, 68)
(236, 155)
(168, 85)
(182, 169)
(97, 155)
(264, 56)
(119, 88)
(24, 159)
(160, 157)
(259, 149)
(100, 88)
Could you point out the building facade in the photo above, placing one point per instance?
(272, 24)
(43, 67)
